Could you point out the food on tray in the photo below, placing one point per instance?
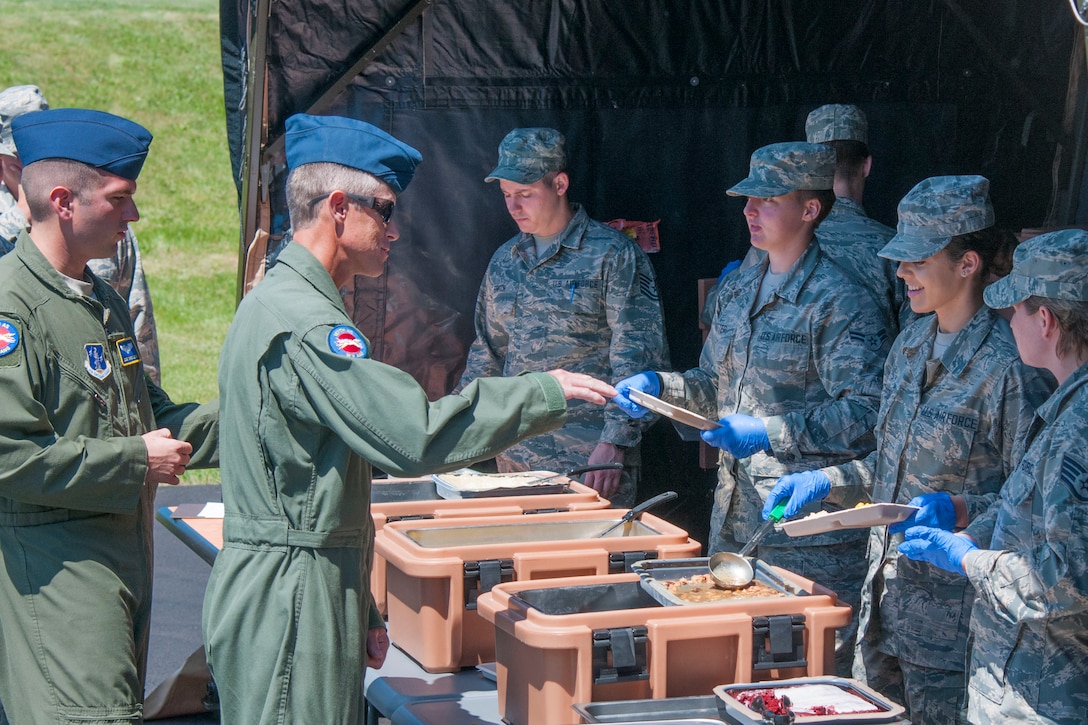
(806, 700)
(488, 481)
(701, 588)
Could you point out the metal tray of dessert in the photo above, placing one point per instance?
(697, 710)
(471, 484)
(655, 573)
(813, 700)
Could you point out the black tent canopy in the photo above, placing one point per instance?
(662, 103)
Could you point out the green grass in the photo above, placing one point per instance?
(156, 62)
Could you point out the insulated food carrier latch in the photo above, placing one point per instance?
(619, 655)
(480, 576)
(620, 562)
(778, 642)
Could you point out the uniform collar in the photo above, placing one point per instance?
(570, 237)
(964, 346)
(799, 273)
(29, 254)
(302, 261)
(1052, 408)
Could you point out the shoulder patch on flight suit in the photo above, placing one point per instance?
(346, 340)
(9, 342)
(96, 363)
(127, 350)
(1074, 475)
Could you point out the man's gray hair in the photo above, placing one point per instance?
(41, 177)
(310, 181)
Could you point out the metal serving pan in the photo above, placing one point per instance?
(653, 573)
(704, 709)
(529, 529)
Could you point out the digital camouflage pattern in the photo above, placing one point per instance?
(956, 424)
(1049, 265)
(780, 168)
(14, 102)
(527, 154)
(591, 307)
(934, 211)
(809, 365)
(1029, 661)
(837, 122)
(852, 240)
(124, 271)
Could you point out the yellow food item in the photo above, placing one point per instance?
(862, 504)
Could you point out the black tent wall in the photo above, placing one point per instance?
(662, 103)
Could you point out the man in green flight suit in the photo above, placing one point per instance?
(289, 623)
(85, 435)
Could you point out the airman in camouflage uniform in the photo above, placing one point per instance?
(951, 422)
(1029, 660)
(566, 292)
(801, 367)
(848, 236)
(123, 271)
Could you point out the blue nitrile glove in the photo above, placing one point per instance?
(934, 510)
(647, 382)
(727, 269)
(940, 548)
(798, 490)
(741, 435)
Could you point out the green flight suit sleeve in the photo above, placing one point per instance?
(385, 416)
(40, 467)
(198, 424)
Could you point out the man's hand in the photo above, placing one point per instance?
(940, 548)
(377, 646)
(647, 382)
(934, 510)
(800, 489)
(583, 387)
(741, 435)
(166, 456)
(606, 482)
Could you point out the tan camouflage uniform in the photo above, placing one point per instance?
(591, 307)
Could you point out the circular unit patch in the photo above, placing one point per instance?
(345, 340)
(9, 338)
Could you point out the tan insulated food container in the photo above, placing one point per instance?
(589, 639)
(399, 499)
(435, 570)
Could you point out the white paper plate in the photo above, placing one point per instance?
(680, 415)
(877, 514)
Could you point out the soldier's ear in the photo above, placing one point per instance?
(561, 183)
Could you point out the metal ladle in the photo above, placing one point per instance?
(636, 513)
(733, 570)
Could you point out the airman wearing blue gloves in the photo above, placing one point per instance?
(1029, 567)
(955, 410)
(791, 369)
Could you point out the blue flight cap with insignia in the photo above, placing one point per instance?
(347, 141)
(95, 138)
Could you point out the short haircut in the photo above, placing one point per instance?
(310, 181)
(826, 197)
(41, 177)
(1072, 317)
(850, 156)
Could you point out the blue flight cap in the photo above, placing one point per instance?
(95, 138)
(358, 144)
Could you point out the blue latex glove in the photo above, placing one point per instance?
(940, 548)
(798, 489)
(646, 382)
(741, 435)
(729, 268)
(934, 510)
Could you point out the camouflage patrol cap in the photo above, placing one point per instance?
(14, 102)
(780, 168)
(934, 211)
(527, 154)
(837, 122)
(1050, 265)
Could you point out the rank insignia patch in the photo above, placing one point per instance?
(9, 338)
(96, 363)
(346, 341)
(128, 352)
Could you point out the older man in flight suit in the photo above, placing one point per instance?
(84, 435)
(289, 622)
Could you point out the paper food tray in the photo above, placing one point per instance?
(877, 514)
(680, 415)
(653, 573)
(471, 484)
(806, 693)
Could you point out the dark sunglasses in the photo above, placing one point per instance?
(384, 207)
